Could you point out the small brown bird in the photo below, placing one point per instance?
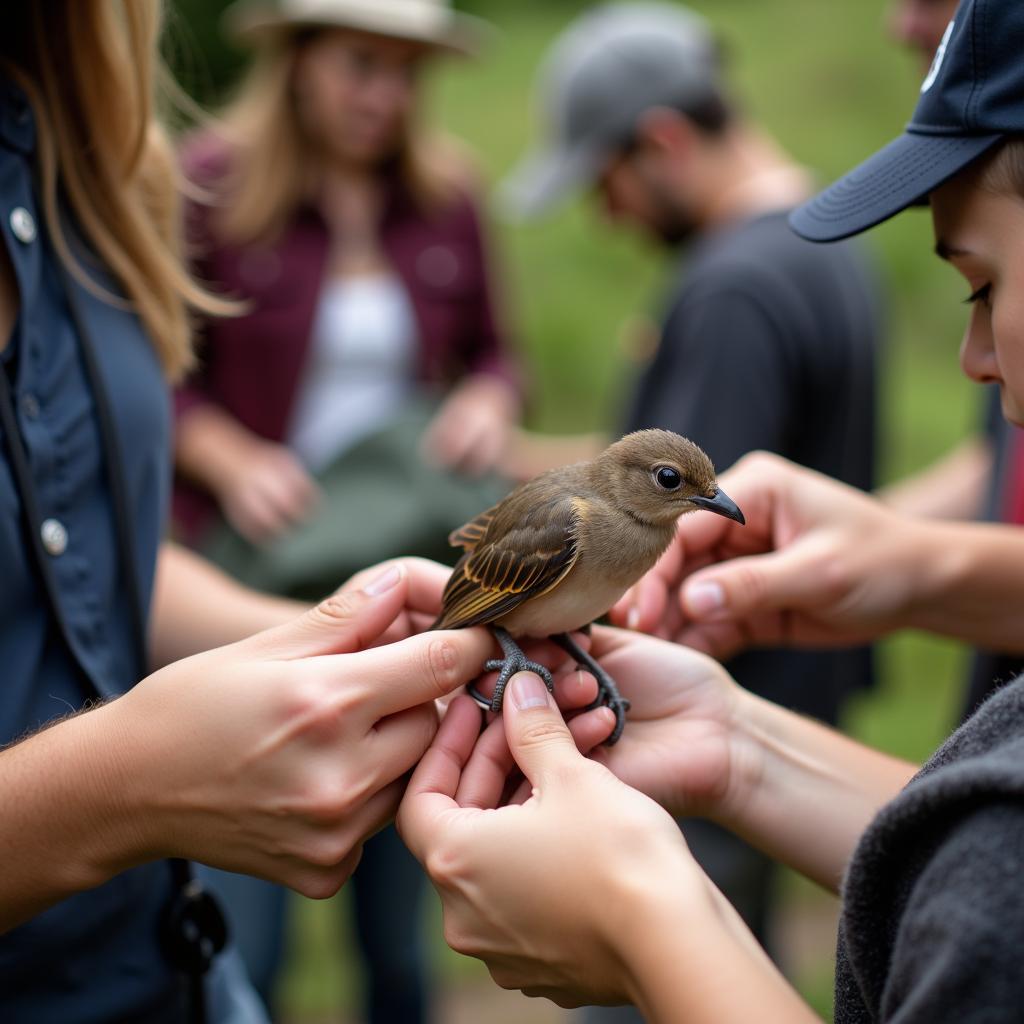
(561, 549)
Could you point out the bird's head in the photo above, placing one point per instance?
(657, 475)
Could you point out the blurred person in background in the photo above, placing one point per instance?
(920, 24)
(766, 340)
(350, 233)
(983, 477)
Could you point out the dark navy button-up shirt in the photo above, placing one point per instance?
(95, 956)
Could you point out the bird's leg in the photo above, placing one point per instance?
(513, 662)
(607, 692)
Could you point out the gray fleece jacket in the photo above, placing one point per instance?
(933, 918)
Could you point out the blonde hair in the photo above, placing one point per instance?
(270, 156)
(90, 70)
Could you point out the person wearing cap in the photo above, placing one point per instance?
(351, 234)
(981, 475)
(766, 342)
(580, 889)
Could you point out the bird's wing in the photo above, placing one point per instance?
(470, 535)
(524, 561)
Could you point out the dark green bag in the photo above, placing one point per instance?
(381, 499)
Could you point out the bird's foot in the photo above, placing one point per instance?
(514, 661)
(607, 691)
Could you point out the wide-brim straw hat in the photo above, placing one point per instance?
(432, 22)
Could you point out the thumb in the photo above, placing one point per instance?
(347, 621)
(792, 578)
(537, 735)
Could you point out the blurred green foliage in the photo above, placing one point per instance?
(823, 79)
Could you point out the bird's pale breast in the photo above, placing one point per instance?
(615, 553)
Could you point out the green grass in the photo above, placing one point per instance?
(823, 80)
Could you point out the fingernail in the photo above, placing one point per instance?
(633, 617)
(528, 691)
(705, 598)
(384, 582)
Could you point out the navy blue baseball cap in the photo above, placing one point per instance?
(971, 98)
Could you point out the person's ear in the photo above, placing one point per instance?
(667, 133)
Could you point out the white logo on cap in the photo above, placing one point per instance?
(940, 54)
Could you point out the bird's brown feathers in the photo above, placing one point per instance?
(515, 551)
(468, 536)
(530, 541)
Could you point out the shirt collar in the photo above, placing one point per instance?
(17, 125)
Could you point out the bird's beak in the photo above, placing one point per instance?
(720, 503)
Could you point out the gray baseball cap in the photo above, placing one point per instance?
(609, 67)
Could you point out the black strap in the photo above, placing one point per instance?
(115, 473)
(194, 930)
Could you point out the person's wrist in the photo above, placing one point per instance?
(228, 465)
(215, 450)
(659, 942)
(750, 720)
(498, 395)
(105, 777)
(935, 564)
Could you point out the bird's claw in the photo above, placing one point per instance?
(506, 668)
(619, 706)
(608, 695)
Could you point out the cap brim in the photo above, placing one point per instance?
(901, 174)
(545, 178)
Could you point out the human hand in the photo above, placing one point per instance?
(544, 891)
(684, 744)
(818, 564)
(265, 491)
(472, 428)
(425, 583)
(279, 755)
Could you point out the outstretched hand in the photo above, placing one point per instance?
(279, 755)
(681, 745)
(818, 564)
(472, 429)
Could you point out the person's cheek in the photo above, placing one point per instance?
(1008, 358)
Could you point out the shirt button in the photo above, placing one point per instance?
(30, 405)
(23, 225)
(54, 535)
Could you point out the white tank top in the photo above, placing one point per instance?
(360, 367)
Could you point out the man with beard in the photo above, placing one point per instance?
(766, 341)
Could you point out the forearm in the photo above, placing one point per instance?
(63, 828)
(951, 488)
(804, 793)
(530, 454)
(196, 607)
(970, 584)
(697, 962)
(210, 444)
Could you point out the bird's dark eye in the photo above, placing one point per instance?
(668, 478)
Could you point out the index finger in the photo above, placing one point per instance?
(417, 670)
(434, 783)
(426, 582)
